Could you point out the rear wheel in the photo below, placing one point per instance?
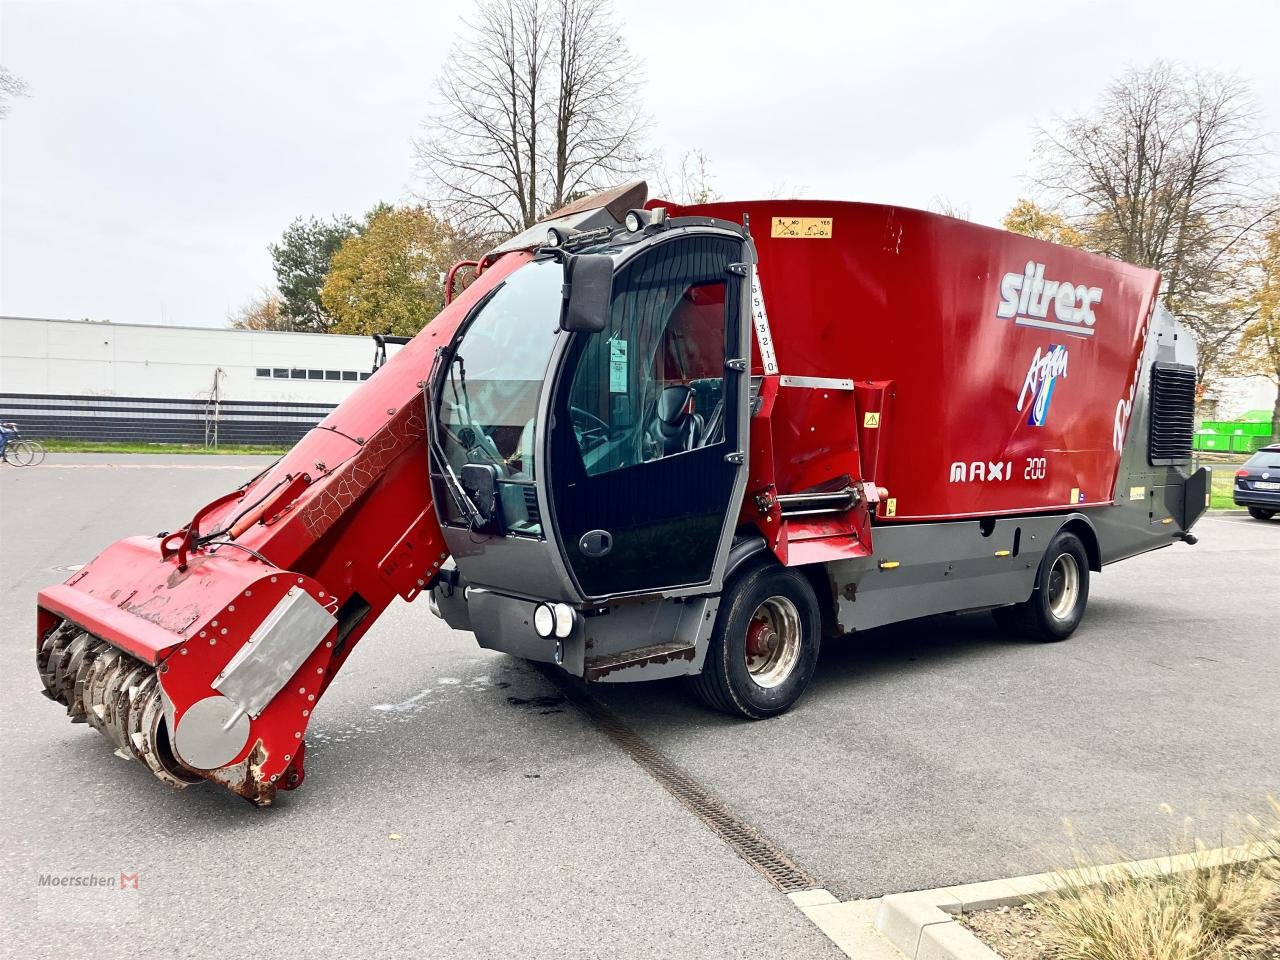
(1260, 513)
(764, 646)
(1061, 593)
(20, 453)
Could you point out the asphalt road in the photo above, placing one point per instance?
(454, 807)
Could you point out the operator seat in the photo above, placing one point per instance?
(676, 427)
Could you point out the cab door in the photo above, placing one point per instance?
(647, 446)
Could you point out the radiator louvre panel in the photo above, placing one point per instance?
(1173, 410)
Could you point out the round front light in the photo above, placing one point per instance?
(633, 221)
(564, 619)
(544, 620)
(554, 237)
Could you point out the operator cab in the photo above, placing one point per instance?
(588, 442)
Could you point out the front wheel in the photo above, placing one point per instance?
(1061, 592)
(764, 646)
(1259, 513)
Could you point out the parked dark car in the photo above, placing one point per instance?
(1258, 483)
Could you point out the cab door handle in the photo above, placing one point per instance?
(596, 543)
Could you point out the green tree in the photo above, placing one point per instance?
(302, 259)
(389, 278)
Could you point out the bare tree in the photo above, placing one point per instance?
(1166, 171)
(537, 106)
(689, 182)
(949, 208)
(11, 86)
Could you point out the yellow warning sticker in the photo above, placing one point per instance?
(1137, 493)
(812, 228)
(871, 420)
(891, 507)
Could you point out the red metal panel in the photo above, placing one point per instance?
(974, 345)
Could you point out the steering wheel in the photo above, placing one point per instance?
(590, 430)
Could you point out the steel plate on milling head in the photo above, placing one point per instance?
(275, 651)
(211, 733)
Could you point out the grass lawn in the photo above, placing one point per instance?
(80, 446)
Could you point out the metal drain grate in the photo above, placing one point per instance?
(747, 842)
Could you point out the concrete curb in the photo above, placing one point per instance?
(923, 926)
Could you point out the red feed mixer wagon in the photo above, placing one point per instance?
(652, 441)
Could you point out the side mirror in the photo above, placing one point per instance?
(588, 279)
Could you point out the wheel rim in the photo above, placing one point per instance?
(1064, 585)
(774, 637)
(19, 453)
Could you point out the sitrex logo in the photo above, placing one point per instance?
(1027, 298)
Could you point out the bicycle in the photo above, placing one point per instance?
(17, 451)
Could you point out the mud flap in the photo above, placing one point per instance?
(1195, 497)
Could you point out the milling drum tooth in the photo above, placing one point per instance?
(132, 722)
(95, 691)
(80, 685)
(52, 641)
(62, 675)
(49, 655)
(120, 706)
(110, 688)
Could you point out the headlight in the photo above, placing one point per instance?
(564, 619)
(634, 221)
(544, 620)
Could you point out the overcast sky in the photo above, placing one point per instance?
(165, 144)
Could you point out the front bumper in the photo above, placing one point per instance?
(639, 640)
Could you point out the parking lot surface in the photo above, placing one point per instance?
(457, 805)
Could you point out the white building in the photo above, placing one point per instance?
(117, 381)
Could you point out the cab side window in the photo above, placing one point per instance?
(651, 384)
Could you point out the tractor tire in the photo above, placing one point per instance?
(1057, 603)
(764, 645)
(1261, 513)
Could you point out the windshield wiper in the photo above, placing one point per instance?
(452, 483)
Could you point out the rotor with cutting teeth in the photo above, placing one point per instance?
(115, 693)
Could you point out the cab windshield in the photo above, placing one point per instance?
(487, 408)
